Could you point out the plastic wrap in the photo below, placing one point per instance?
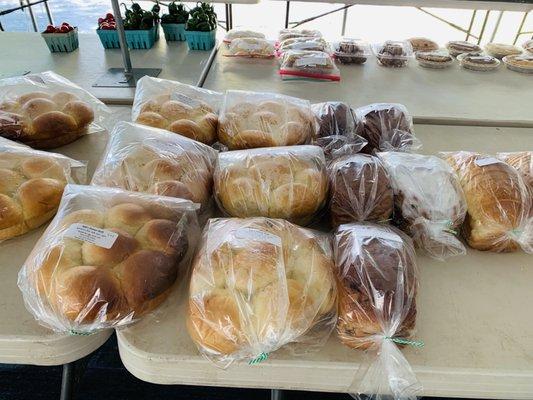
(522, 161)
(498, 203)
(338, 129)
(430, 205)
(436, 59)
(387, 127)
(360, 190)
(522, 63)
(290, 33)
(108, 257)
(187, 110)
(477, 62)
(351, 51)
(377, 283)
(500, 50)
(250, 48)
(303, 43)
(459, 47)
(258, 284)
(306, 64)
(254, 119)
(150, 160)
(45, 110)
(278, 182)
(241, 33)
(31, 185)
(393, 53)
(422, 44)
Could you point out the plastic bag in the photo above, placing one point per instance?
(351, 51)
(303, 43)
(108, 257)
(377, 283)
(430, 205)
(338, 129)
(393, 53)
(250, 48)
(240, 33)
(278, 182)
(254, 119)
(360, 190)
(498, 203)
(31, 185)
(187, 110)
(387, 127)
(150, 160)
(522, 161)
(290, 33)
(306, 64)
(258, 284)
(46, 110)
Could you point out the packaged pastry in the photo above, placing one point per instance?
(459, 47)
(45, 110)
(255, 119)
(423, 44)
(500, 50)
(387, 127)
(377, 283)
(522, 161)
(351, 51)
(183, 109)
(522, 63)
(242, 33)
(278, 182)
(437, 59)
(476, 62)
(393, 53)
(291, 33)
(498, 203)
(108, 257)
(251, 48)
(338, 129)
(306, 64)
(430, 205)
(31, 185)
(360, 190)
(258, 284)
(140, 158)
(528, 46)
(304, 43)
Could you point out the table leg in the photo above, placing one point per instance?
(226, 6)
(276, 394)
(497, 26)
(71, 377)
(487, 14)
(287, 11)
(520, 27)
(231, 16)
(344, 18)
(468, 33)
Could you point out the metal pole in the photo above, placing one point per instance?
(500, 15)
(122, 38)
(468, 34)
(483, 26)
(230, 16)
(276, 394)
(226, 6)
(287, 10)
(33, 21)
(520, 27)
(344, 18)
(67, 382)
(47, 9)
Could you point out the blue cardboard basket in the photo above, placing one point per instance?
(62, 42)
(201, 40)
(174, 32)
(109, 38)
(141, 39)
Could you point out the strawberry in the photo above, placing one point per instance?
(110, 17)
(50, 29)
(64, 29)
(100, 20)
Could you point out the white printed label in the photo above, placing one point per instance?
(381, 234)
(312, 60)
(481, 162)
(257, 235)
(184, 99)
(90, 234)
(250, 46)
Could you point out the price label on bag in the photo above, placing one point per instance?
(311, 60)
(90, 234)
(481, 162)
(185, 99)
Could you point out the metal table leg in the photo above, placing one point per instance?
(287, 11)
(468, 33)
(497, 26)
(226, 6)
(276, 394)
(487, 14)
(344, 18)
(67, 382)
(521, 27)
(231, 16)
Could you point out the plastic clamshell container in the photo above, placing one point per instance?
(141, 39)
(109, 38)
(174, 32)
(62, 42)
(520, 63)
(351, 51)
(393, 53)
(197, 40)
(476, 62)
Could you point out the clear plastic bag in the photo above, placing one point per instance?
(498, 203)
(290, 33)
(278, 182)
(250, 48)
(187, 110)
(351, 51)
(46, 110)
(360, 190)
(522, 161)
(430, 205)
(304, 43)
(150, 160)
(258, 284)
(108, 257)
(240, 33)
(31, 185)
(338, 129)
(254, 119)
(306, 64)
(387, 127)
(377, 283)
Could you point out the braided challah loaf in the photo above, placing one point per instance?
(280, 182)
(258, 284)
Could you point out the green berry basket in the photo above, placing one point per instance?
(197, 40)
(174, 32)
(141, 39)
(109, 38)
(62, 42)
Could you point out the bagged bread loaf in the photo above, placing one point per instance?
(46, 110)
(187, 110)
(240, 33)
(250, 47)
(360, 190)
(377, 283)
(430, 205)
(258, 284)
(250, 120)
(498, 203)
(387, 127)
(290, 33)
(31, 185)
(278, 182)
(150, 160)
(108, 257)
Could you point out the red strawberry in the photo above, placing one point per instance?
(100, 20)
(50, 29)
(109, 16)
(64, 29)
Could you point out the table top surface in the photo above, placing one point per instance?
(477, 338)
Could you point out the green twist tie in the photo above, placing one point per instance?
(414, 343)
(449, 229)
(516, 231)
(76, 333)
(259, 359)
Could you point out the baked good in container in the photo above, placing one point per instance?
(183, 109)
(457, 47)
(360, 190)
(528, 46)
(108, 257)
(304, 43)
(242, 33)
(250, 120)
(437, 59)
(422, 44)
(250, 47)
(393, 53)
(476, 62)
(500, 50)
(522, 63)
(351, 51)
(279, 182)
(307, 64)
(252, 288)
